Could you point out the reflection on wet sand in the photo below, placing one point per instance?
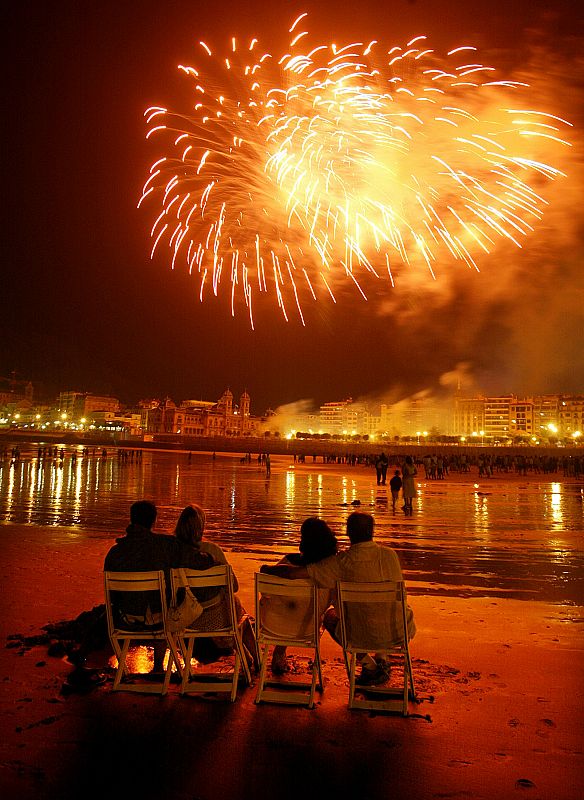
(508, 536)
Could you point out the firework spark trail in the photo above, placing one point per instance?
(345, 162)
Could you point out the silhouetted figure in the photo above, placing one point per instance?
(409, 490)
(381, 465)
(395, 484)
(141, 550)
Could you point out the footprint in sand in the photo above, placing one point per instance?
(502, 757)
(543, 731)
(524, 783)
(45, 721)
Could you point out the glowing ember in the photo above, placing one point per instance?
(331, 162)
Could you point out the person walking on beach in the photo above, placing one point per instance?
(409, 472)
(395, 484)
(381, 465)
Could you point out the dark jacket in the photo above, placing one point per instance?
(140, 550)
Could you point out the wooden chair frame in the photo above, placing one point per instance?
(221, 578)
(381, 698)
(291, 692)
(121, 637)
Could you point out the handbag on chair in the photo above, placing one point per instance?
(182, 615)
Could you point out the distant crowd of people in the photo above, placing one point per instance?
(436, 466)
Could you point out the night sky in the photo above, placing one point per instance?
(84, 308)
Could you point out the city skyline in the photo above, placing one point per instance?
(551, 417)
(83, 305)
(453, 384)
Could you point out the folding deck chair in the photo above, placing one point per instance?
(302, 593)
(374, 620)
(218, 620)
(123, 630)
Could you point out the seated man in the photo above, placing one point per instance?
(142, 550)
(365, 561)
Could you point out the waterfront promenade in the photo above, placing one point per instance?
(280, 445)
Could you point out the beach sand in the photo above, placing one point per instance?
(500, 686)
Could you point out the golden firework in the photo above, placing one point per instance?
(292, 172)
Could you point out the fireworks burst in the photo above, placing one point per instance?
(291, 173)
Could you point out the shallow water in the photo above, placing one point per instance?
(504, 537)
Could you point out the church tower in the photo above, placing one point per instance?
(244, 402)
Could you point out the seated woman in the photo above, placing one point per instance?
(189, 529)
(317, 541)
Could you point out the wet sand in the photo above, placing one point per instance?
(500, 683)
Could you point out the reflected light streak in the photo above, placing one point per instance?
(77, 489)
(556, 503)
(418, 501)
(57, 491)
(290, 489)
(11, 475)
(481, 512)
(32, 477)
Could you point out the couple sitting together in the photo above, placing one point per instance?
(319, 559)
(143, 550)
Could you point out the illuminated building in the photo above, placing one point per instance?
(336, 417)
(571, 415)
(346, 418)
(546, 409)
(83, 404)
(203, 418)
(469, 415)
(521, 417)
(124, 422)
(510, 417)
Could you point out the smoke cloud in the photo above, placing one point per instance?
(518, 324)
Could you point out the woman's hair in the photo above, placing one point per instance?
(317, 541)
(190, 525)
(409, 460)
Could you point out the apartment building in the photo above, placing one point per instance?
(78, 405)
